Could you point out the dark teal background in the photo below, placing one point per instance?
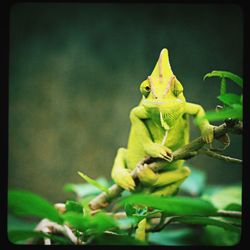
(75, 71)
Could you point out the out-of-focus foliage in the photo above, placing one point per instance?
(233, 103)
(27, 203)
(196, 209)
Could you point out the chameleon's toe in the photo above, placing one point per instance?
(167, 156)
(208, 134)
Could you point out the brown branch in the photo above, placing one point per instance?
(185, 152)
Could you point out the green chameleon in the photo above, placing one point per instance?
(159, 125)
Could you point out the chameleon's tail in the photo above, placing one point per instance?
(140, 233)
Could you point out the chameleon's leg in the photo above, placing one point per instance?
(172, 176)
(140, 233)
(205, 127)
(169, 183)
(171, 189)
(120, 174)
(174, 173)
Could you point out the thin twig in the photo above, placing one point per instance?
(230, 214)
(219, 156)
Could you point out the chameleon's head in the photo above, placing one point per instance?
(163, 93)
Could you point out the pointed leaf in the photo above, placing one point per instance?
(172, 205)
(234, 112)
(73, 206)
(229, 98)
(90, 224)
(217, 236)
(223, 86)
(21, 235)
(16, 236)
(225, 74)
(93, 182)
(24, 203)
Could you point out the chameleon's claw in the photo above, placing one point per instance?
(167, 158)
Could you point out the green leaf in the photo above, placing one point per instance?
(90, 224)
(102, 222)
(21, 235)
(24, 203)
(172, 205)
(229, 98)
(223, 86)
(217, 236)
(234, 112)
(15, 223)
(233, 207)
(18, 236)
(129, 209)
(241, 99)
(225, 74)
(77, 221)
(93, 182)
(73, 206)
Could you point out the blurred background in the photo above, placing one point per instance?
(75, 71)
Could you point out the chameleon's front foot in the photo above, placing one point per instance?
(159, 151)
(207, 133)
(123, 178)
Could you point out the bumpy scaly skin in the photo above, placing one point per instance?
(159, 126)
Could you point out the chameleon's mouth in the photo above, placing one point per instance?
(167, 111)
(152, 103)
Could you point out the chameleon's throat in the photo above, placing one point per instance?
(163, 122)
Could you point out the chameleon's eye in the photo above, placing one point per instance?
(176, 92)
(177, 88)
(145, 88)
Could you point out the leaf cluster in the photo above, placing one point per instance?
(232, 103)
(196, 208)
